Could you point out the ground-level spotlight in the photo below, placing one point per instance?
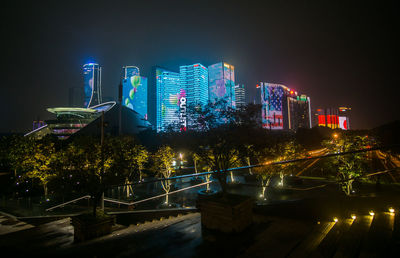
(372, 213)
(391, 210)
(335, 219)
(353, 216)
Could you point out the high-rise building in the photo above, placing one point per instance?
(194, 80)
(130, 71)
(299, 112)
(169, 93)
(272, 98)
(240, 95)
(344, 120)
(221, 83)
(92, 84)
(256, 97)
(333, 117)
(134, 90)
(283, 108)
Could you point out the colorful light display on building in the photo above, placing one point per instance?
(334, 117)
(284, 108)
(194, 79)
(343, 122)
(221, 78)
(169, 94)
(271, 100)
(92, 84)
(134, 94)
(331, 121)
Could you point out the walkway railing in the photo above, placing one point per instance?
(65, 203)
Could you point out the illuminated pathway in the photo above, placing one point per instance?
(182, 236)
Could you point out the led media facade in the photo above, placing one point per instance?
(134, 94)
(272, 97)
(130, 71)
(92, 84)
(333, 118)
(221, 77)
(343, 122)
(194, 79)
(169, 95)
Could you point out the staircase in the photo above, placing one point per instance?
(364, 236)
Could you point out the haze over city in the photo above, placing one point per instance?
(338, 53)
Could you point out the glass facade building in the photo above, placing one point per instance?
(169, 92)
(272, 98)
(92, 84)
(221, 83)
(130, 71)
(240, 95)
(283, 108)
(134, 91)
(194, 80)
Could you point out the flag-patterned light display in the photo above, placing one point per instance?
(271, 100)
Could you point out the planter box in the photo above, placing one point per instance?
(85, 230)
(233, 213)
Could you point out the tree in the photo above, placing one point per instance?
(21, 148)
(163, 161)
(288, 151)
(217, 137)
(196, 158)
(349, 166)
(41, 163)
(134, 158)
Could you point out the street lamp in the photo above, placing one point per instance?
(181, 157)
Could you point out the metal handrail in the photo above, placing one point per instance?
(115, 201)
(261, 165)
(65, 203)
(173, 192)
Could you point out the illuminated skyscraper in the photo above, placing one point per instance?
(240, 95)
(221, 78)
(272, 98)
(134, 90)
(92, 84)
(333, 117)
(169, 93)
(194, 80)
(283, 108)
(130, 71)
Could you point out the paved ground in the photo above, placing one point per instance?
(290, 223)
(10, 224)
(183, 236)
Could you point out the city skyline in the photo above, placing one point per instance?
(339, 54)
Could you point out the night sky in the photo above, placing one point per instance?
(338, 53)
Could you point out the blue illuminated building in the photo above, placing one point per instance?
(194, 80)
(130, 71)
(92, 84)
(134, 90)
(221, 78)
(168, 91)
